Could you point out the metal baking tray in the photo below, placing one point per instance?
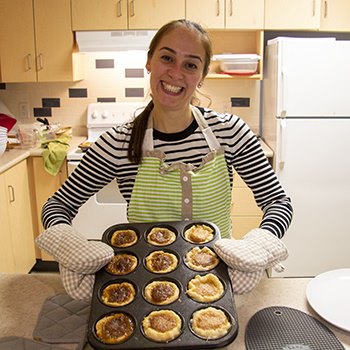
(184, 306)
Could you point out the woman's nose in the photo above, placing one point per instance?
(175, 71)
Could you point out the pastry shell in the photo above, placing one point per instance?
(161, 262)
(162, 325)
(201, 259)
(207, 288)
(210, 323)
(199, 233)
(161, 292)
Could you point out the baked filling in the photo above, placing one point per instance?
(118, 294)
(201, 259)
(210, 323)
(160, 236)
(162, 325)
(161, 262)
(122, 264)
(115, 328)
(205, 288)
(199, 234)
(123, 238)
(161, 292)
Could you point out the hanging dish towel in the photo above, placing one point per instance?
(55, 152)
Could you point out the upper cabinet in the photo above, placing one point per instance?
(152, 14)
(335, 15)
(124, 14)
(324, 15)
(112, 14)
(36, 41)
(227, 14)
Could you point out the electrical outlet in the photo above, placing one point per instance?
(23, 110)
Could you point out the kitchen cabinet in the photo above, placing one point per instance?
(43, 186)
(124, 14)
(227, 14)
(17, 253)
(323, 15)
(36, 42)
(335, 15)
(245, 214)
(237, 42)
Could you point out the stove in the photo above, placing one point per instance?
(108, 204)
(102, 116)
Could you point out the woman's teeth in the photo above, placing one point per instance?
(172, 88)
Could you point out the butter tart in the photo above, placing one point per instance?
(123, 238)
(161, 236)
(199, 233)
(162, 325)
(122, 264)
(201, 259)
(207, 288)
(161, 262)
(118, 294)
(161, 292)
(210, 323)
(115, 328)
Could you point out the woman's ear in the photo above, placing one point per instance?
(148, 66)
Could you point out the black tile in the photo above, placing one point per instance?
(74, 93)
(42, 112)
(134, 73)
(240, 101)
(105, 63)
(2, 86)
(134, 92)
(51, 102)
(106, 99)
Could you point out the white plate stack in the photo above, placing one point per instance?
(3, 140)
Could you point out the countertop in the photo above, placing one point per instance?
(21, 318)
(13, 156)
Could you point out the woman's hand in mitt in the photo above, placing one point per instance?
(258, 250)
(73, 250)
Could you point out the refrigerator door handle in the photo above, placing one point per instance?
(282, 142)
(284, 93)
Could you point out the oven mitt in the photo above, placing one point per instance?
(77, 285)
(73, 250)
(250, 256)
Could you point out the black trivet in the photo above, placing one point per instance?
(284, 328)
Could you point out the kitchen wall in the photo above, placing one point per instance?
(117, 76)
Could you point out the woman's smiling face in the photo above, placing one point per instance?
(176, 68)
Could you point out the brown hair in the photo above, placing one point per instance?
(140, 122)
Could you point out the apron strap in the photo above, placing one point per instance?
(209, 136)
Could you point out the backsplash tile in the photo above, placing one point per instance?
(102, 63)
(106, 99)
(42, 112)
(75, 93)
(134, 73)
(51, 102)
(134, 92)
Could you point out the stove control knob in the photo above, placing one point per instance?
(95, 115)
(105, 114)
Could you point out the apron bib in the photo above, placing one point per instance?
(181, 191)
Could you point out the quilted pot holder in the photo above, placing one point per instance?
(62, 320)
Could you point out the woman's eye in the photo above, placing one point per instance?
(191, 66)
(166, 58)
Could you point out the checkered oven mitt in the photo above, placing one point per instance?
(247, 258)
(78, 257)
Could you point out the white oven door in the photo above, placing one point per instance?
(104, 209)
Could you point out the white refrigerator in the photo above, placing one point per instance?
(306, 121)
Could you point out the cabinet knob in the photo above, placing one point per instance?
(11, 193)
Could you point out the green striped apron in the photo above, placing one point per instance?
(182, 191)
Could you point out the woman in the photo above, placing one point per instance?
(173, 162)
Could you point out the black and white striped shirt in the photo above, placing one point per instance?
(107, 161)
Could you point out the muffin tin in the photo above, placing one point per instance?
(141, 276)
